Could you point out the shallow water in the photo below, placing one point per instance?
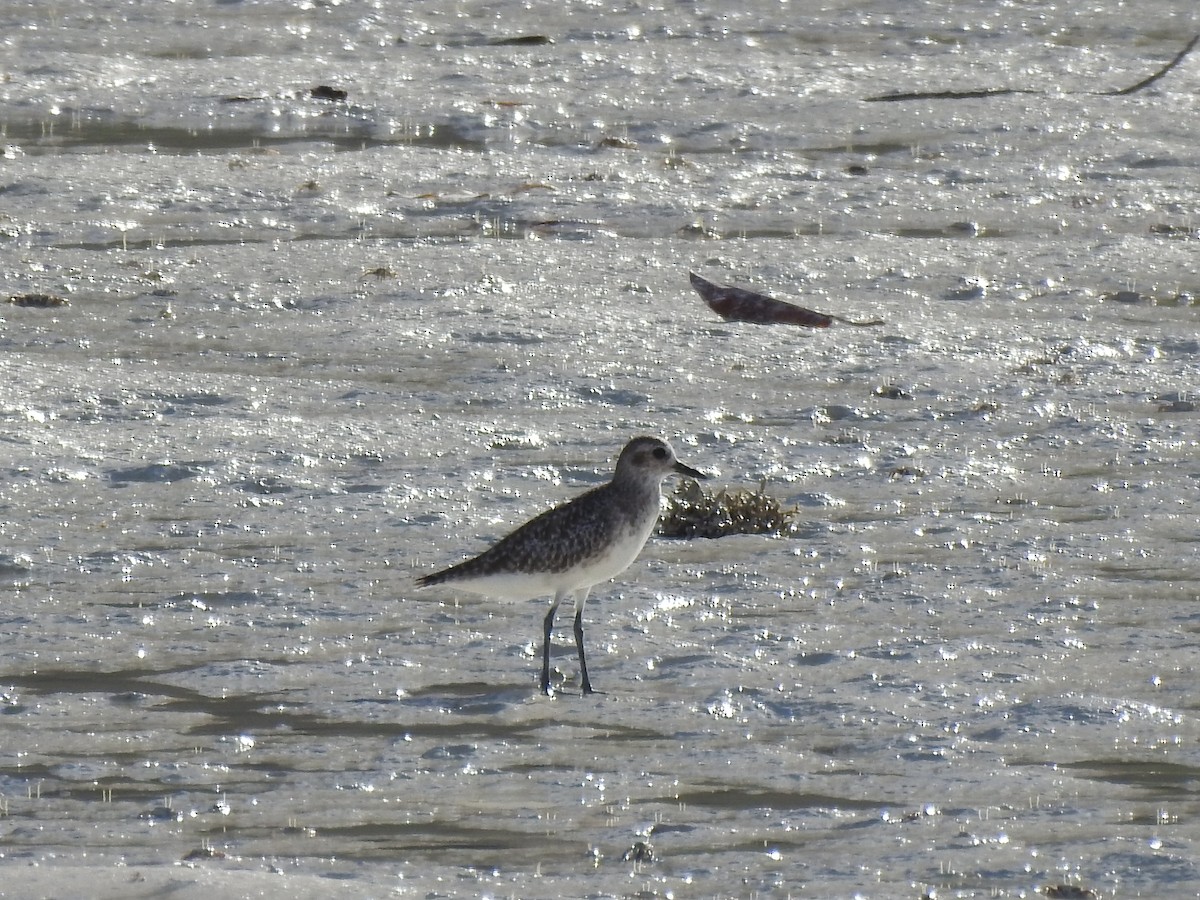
(315, 349)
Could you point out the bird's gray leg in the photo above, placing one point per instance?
(558, 598)
(580, 599)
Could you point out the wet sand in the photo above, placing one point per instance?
(313, 349)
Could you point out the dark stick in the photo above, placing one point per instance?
(1146, 82)
(995, 92)
(948, 95)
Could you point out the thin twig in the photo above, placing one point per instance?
(948, 95)
(1146, 82)
(996, 92)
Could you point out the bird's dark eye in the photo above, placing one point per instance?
(660, 452)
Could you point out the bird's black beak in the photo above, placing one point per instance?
(688, 470)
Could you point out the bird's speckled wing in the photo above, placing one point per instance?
(558, 539)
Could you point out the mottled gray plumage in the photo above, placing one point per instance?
(581, 543)
(561, 539)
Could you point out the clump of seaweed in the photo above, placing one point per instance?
(38, 300)
(693, 512)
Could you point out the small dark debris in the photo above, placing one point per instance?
(523, 40)
(1124, 297)
(1070, 892)
(892, 392)
(381, 272)
(204, 853)
(619, 143)
(640, 852)
(325, 92)
(1177, 406)
(158, 814)
(39, 301)
(857, 169)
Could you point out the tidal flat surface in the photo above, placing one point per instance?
(315, 347)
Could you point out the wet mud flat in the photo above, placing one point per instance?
(311, 348)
